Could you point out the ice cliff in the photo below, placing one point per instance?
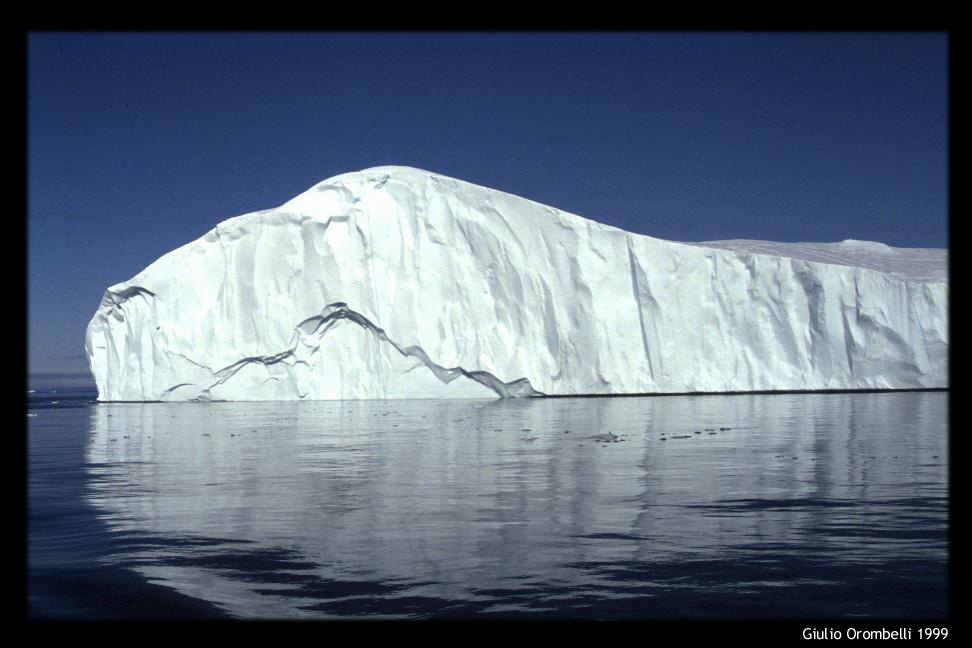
(399, 283)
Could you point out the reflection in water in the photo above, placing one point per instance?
(461, 508)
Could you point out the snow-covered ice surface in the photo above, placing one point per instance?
(912, 264)
(394, 282)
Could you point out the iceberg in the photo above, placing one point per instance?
(395, 282)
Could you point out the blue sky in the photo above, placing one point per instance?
(140, 143)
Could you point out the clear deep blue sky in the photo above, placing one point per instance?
(139, 143)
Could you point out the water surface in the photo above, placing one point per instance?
(752, 506)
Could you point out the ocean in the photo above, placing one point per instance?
(668, 507)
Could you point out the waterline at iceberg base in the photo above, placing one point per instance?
(394, 282)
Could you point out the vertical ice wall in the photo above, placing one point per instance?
(398, 283)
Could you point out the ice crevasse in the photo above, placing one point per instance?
(395, 282)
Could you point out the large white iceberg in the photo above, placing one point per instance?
(394, 282)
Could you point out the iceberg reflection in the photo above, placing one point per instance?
(395, 508)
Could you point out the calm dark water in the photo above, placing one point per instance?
(825, 505)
